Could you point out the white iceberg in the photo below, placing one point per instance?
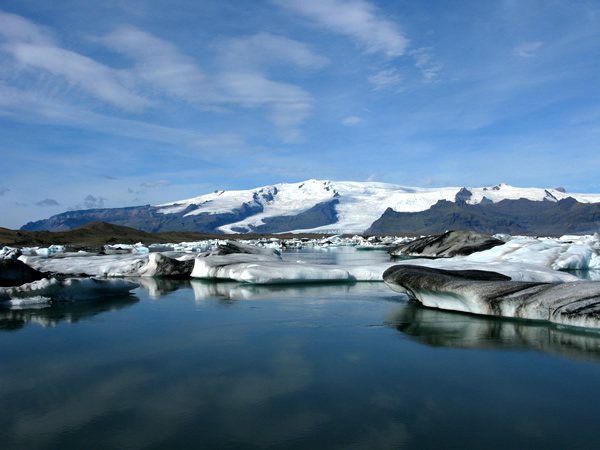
(68, 290)
(521, 258)
(128, 265)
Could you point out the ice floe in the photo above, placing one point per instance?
(127, 265)
(66, 290)
(259, 261)
(447, 245)
(575, 303)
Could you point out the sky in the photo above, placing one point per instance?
(112, 103)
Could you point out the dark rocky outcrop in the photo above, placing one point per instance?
(319, 215)
(480, 292)
(522, 216)
(452, 243)
(146, 218)
(15, 273)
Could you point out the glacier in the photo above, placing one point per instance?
(358, 205)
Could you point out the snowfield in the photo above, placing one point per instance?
(360, 203)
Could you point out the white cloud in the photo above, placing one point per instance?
(47, 202)
(36, 52)
(158, 68)
(89, 75)
(357, 19)
(527, 49)
(163, 66)
(18, 29)
(158, 62)
(153, 184)
(265, 48)
(423, 61)
(92, 202)
(289, 105)
(351, 121)
(385, 79)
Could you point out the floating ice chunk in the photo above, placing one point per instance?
(95, 265)
(51, 250)
(451, 243)
(129, 265)
(263, 269)
(68, 290)
(551, 253)
(517, 271)
(163, 266)
(141, 248)
(574, 303)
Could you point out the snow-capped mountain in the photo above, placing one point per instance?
(312, 206)
(358, 204)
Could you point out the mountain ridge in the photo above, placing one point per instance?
(323, 206)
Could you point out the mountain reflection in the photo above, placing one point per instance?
(51, 315)
(439, 328)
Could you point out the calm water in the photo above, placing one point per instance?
(226, 365)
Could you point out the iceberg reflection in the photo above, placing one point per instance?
(71, 312)
(437, 328)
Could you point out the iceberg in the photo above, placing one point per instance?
(259, 261)
(575, 303)
(449, 244)
(67, 290)
(261, 269)
(128, 265)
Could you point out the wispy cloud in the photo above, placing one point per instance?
(385, 79)
(357, 19)
(32, 48)
(351, 121)
(164, 67)
(527, 49)
(15, 28)
(265, 49)
(47, 202)
(423, 61)
(158, 62)
(92, 202)
(157, 183)
(3, 190)
(158, 68)
(96, 79)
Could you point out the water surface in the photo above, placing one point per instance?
(183, 364)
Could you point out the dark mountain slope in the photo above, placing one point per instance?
(508, 216)
(146, 218)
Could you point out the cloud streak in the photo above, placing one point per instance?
(357, 19)
(385, 79)
(47, 202)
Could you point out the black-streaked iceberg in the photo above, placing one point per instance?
(575, 303)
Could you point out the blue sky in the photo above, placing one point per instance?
(122, 102)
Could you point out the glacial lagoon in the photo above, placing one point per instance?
(189, 364)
